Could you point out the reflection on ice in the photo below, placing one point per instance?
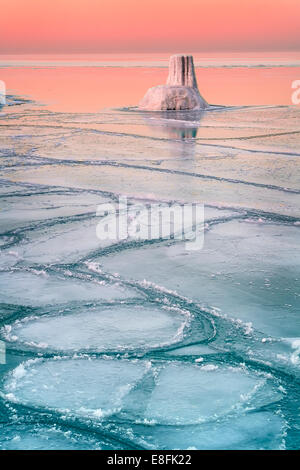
(180, 408)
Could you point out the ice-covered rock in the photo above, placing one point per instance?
(118, 327)
(181, 91)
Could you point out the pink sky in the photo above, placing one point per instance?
(72, 26)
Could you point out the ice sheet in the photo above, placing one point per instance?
(116, 328)
(226, 380)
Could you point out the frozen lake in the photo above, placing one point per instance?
(144, 344)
